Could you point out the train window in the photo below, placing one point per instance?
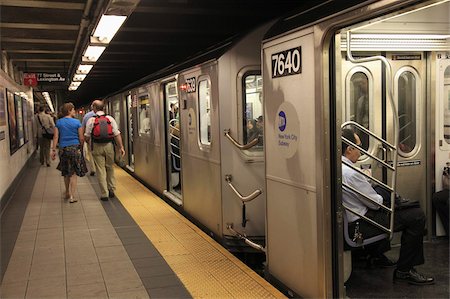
(407, 112)
(446, 103)
(116, 112)
(204, 112)
(253, 121)
(359, 104)
(144, 114)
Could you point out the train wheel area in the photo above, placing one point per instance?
(133, 246)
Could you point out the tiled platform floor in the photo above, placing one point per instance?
(79, 250)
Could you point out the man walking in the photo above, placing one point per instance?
(44, 132)
(89, 157)
(101, 133)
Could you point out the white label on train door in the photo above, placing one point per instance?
(287, 62)
(191, 121)
(287, 130)
(190, 85)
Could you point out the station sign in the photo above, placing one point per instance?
(29, 79)
(50, 77)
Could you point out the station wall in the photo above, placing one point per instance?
(17, 147)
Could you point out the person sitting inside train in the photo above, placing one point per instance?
(441, 198)
(410, 221)
(252, 130)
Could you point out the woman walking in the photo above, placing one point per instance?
(69, 133)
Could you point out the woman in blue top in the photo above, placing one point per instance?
(71, 161)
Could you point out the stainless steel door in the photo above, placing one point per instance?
(365, 102)
(130, 132)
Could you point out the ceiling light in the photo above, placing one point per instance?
(79, 77)
(73, 87)
(76, 84)
(84, 69)
(92, 53)
(108, 27)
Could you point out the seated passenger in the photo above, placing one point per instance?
(252, 130)
(441, 198)
(411, 221)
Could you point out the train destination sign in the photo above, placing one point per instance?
(286, 63)
(50, 77)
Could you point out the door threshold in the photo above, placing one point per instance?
(173, 197)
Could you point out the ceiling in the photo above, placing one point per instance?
(50, 36)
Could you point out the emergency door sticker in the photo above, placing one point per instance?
(286, 63)
(287, 129)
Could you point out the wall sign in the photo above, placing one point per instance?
(287, 130)
(286, 63)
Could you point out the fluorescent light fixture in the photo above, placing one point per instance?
(73, 87)
(400, 36)
(79, 77)
(84, 69)
(75, 84)
(92, 53)
(108, 27)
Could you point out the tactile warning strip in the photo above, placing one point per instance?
(206, 269)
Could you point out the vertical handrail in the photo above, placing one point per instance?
(395, 118)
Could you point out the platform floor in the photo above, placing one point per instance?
(133, 246)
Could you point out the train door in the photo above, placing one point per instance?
(117, 114)
(173, 142)
(130, 133)
(442, 124)
(365, 103)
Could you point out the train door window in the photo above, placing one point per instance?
(253, 121)
(407, 101)
(446, 102)
(204, 112)
(359, 101)
(116, 112)
(144, 114)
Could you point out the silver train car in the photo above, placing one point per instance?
(298, 81)
(322, 70)
(193, 133)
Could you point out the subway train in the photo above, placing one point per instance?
(245, 138)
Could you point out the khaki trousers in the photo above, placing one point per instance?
(103, 154)
(44, 152)
(88, 157)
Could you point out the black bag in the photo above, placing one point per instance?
(46, 133)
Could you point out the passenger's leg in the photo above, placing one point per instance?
(46, 150)
(41, 151)
(67, 185)
(73, 187)
(412, 224)
(441, 204)
(99, 161)
(109, 165)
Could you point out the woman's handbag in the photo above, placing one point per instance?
(47, 133)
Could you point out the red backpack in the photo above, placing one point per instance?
(102, 131)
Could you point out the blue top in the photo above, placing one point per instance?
(68, 131)
(86, 117)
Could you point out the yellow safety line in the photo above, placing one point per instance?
(206, 269)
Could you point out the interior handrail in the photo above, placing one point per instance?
(367, 198)
(388, 230)
(237, 144)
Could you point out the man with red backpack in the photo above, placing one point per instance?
(101, 133)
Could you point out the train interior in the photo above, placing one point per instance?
(416, 45)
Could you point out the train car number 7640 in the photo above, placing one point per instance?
(286, 63)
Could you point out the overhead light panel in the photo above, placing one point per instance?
(79, 77)
(108, 27)
(72, 88)
(93, 53)
(84, 69)
(76, 84)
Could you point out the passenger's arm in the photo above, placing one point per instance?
(118, 139)
(360, 183)
(81, 136)
(55, 142)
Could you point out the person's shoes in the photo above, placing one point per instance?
(72, 200)
(48, 164)
(382, 261)
(111, 194)
(412, 277)
(104, 198)
(92, 173)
